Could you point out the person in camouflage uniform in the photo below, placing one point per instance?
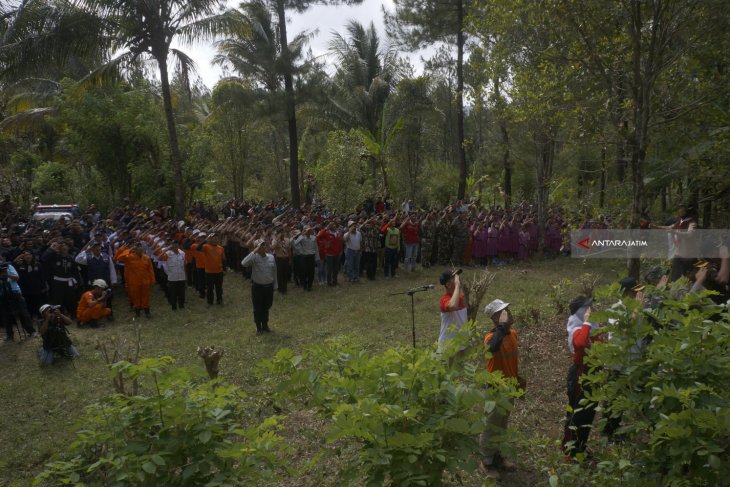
(370, 245)
(460, 235)
(443, 237)
(428, 236)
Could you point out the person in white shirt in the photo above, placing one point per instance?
(263, 283)
(353, 240)
(305, 245)
(451, 304)
(173, 260)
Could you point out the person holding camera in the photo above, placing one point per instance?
(12, 303)
(94, 304)
(55, 335)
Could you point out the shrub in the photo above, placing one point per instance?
(181, 430)
(415, 412)
(666, 371)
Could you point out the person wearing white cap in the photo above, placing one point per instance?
(501, 342)
(93, 304)
(263, 283)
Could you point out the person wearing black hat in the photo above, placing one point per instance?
(453, 309)
(580, 415)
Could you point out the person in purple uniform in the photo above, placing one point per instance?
(492, 237)
(514, 237)
(479, 247)
(533, 230)
(503, 247)
(522, 251)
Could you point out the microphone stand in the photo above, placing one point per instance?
(410, 293)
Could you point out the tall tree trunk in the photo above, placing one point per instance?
(621, 161)
(544, 165)
(460, 99)
(602, 193)
(507, 163)
(290, 107)
(707, 213)
(175, 157)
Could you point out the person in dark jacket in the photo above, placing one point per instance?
(31, 280)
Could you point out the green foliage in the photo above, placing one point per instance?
(415, 412)
(53, 181)
(341, 172)
(182, 430)
(671, 390)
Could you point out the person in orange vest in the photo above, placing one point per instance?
(139, 276)
(501, 342)
(215, 261)
(93, 304)
(199, 258)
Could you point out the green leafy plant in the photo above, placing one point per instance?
(559, 295)
(665, 371)
(180, 430)
(415, 412)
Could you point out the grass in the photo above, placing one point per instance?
(41, 405)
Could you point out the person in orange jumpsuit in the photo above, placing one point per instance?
(139, 277)
(93, 304)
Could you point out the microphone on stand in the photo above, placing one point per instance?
(425, 287)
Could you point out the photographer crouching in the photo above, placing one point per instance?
(55, 335)
(93, 304)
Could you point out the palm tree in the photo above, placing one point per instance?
(257, 50)
(366, 76)
(142, 30)
(40, 44)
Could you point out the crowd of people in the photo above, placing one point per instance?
(64, 272)
(76, 264)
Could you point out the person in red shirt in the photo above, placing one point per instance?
(411, 233)
(330, 239)
(214, 258)
(580, 414)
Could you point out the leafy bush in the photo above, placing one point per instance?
(415, 412)
(560, 295)
(187, 431)
(666, 371)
